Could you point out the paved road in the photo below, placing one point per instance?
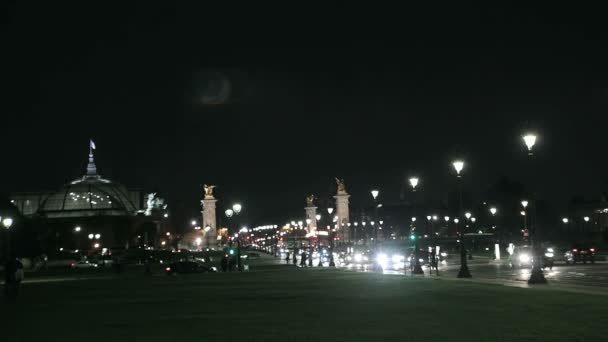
(591, 276)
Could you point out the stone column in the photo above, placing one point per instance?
(209, 226)
(343, 232)
(311, 214)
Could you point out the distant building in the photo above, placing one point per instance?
(588, 220)
(92, 213)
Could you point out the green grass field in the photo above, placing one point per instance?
(298, 305)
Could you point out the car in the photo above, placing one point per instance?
(187, 267)
(580, 253)
(521, 257)
(524, 257)
(83, 264)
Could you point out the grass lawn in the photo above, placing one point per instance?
(298, 305)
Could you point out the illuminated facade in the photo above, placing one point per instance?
(113, 215)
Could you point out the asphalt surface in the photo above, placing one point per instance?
(592, 277)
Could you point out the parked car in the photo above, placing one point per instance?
(83, 264)
(187, 267)
(580, 253)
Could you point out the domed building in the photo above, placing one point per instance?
(92, 213)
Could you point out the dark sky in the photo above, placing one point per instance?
(270, 103)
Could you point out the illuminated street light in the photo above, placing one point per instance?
(374, 194)
(356, 224)
(473, 219)
(229, 212)
(429, 217)
(330, 210)
(77, 229)
(91, 236)
(456, 220)
(493, 211)
(308, 221)
(97, 236)
(523, 213)
(586, 218)
(413, 219)
(166, 215)
(318, 217)
(363, 223)
(458, 166)
(414, 182)
(435, 218)
(530, 141)
(7, 222)
(237, 208)
(193, 222)
(524, 204)
(467, 215)
(565, 220)
(96, 245)
(446, 218)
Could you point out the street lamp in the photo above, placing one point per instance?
(414, 182)
(530, 141)
(77, 229)
(493, 211)
(536, 276)
(330, 210)
(565, 220)
(464, 268)
(237, 208)
(467, 215)
(7, 222)
(524, 204)
(318, 217)
(458, 166)
(229, 213)
(586, 218)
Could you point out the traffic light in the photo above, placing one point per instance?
(412, 236)
(231, 251)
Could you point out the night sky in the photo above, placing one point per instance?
(270, 103)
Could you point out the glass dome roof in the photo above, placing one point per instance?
(89, 196)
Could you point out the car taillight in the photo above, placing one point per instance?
(167, 269)
(592, 249)
(575, 250)
(72, 264)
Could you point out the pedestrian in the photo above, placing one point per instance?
(295, 259)
(224, 262)
(13, 275)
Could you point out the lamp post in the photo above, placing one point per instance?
(464, 268)
(233, 212)
(417, 267)
(7, 222)
(536, 276)
(375, 194)
(332, 263)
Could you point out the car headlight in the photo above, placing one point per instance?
(524, 258)
(397, 259)
(444, 254)
(549, 255)
(382, 259)
(358, 257)
(550, 250)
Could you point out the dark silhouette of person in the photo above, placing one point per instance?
(303, 259)
(12, 277)
(224, 263)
